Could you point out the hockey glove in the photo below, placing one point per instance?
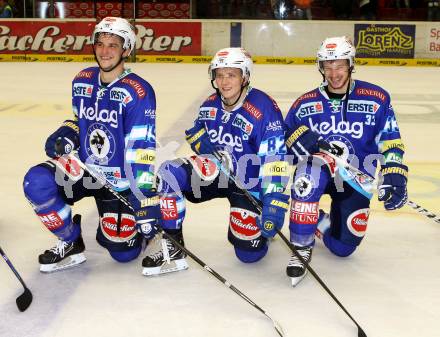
(303, 141)
(275, 206)
(198, 138)
(147, 214)
(393, 191)
(63, 140)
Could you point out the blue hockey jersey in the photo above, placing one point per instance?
(253, 135)
(363, 124)
(116, 127)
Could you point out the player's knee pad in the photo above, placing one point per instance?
(39, 185)
(338, 247)
(250, 256)
(125, 256)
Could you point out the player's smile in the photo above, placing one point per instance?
(229, 82)
(337, 75)
(109, 51)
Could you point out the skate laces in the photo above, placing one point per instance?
(167, 245)
(305, 254)
(59, 249)
(163, 253)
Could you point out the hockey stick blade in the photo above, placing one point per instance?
(24, 300)
(233, 180)
(109, 187)
(361, 332)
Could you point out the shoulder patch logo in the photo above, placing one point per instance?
(371, 93)
(252, 110)
(84, 74)
(308, 95)
(140, 91)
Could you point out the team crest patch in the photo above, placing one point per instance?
(303, 186)
(99, 143)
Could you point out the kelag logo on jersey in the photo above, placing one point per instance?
(355, 129)
(243, 124)
(233, 142)
(309, 109)
(208, 113)
(367, 107)
(82, 89)
(120, 95)
(104, 115)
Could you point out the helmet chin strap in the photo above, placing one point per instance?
(347, 92)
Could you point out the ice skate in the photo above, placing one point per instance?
(64, 255)
(296, 270)
(167, 260)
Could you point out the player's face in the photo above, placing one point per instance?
(108, 50)
(337, 75)
(229, 81)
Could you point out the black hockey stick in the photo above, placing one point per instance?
(232, 180)
(24, 300)
(109, 187)
(367, 182)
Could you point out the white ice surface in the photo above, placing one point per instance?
(391, 285)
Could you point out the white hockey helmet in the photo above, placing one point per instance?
(119, 27)
(231, 58)
(336, 48)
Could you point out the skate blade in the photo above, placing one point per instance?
(68, 262)
(166, 268)
(296, 280)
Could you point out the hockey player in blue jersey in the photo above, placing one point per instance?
(244, 126)
(113, 130)
(357, 118)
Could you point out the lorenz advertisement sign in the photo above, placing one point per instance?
(384, 41)
(73, 38)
